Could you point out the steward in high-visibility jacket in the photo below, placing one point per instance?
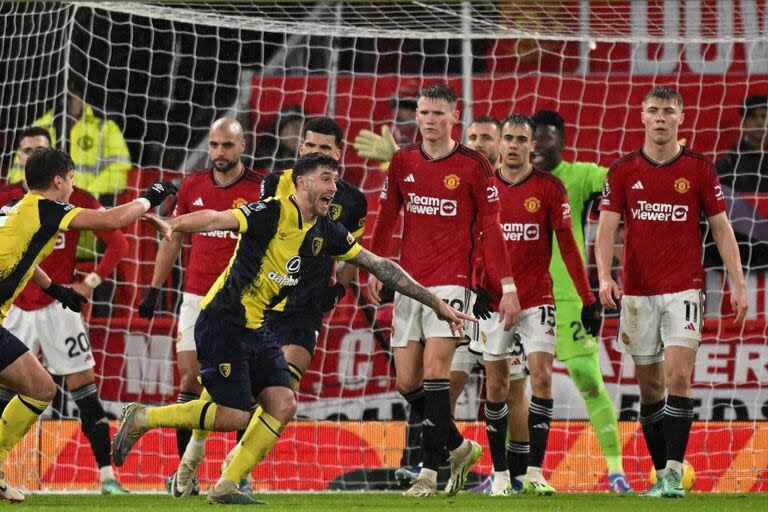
(97, 148)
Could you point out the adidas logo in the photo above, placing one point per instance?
(550, 332)
(410, 179)
(637, 186)
(198, 202)
(491, 428)
(428, 423)
(690, 327)
(542, 425)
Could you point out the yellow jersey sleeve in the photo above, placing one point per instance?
(67, 219)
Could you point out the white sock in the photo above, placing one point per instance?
(534, 472)
(660, 474)
(676, 466)
(107, 473)
(195, 449)
(501, 476)
(429, 474)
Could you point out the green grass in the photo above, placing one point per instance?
(390, 502)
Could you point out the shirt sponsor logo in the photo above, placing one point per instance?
(517, 231)
(283, 280)
(219, 233)
(451, 182)
(682, 185)
(660, 212)
(492, 194)
(532, 204)
(426, 205)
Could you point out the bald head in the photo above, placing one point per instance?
(226, 144)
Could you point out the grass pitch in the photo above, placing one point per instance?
(391, 502)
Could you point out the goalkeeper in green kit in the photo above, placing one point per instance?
(574, 346)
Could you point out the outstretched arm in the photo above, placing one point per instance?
(205, 220)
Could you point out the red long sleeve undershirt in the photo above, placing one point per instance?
(117, 249)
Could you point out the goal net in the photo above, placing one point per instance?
(164, 72)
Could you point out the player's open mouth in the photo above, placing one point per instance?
(326, 201)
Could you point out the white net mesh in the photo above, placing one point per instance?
(165, 72)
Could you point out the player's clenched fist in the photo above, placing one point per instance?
(609, 293)
(158, 191)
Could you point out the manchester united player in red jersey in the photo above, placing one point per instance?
(662, 190)
(65, 349)
(227, 184)
(534, 206)
(446, 190)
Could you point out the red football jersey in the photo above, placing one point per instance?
(211, 251)
(531, 211)
(441, 200)
(662, 206)
(60, 264)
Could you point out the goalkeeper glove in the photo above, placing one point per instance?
(158, 191)
(331, 296)
(69, 298)
(376, 147)
(482, 308)
(591, 317)
(148, 303)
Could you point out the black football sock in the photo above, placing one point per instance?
(437, 420)
(678, 416)
(540, 413)
(412, 455)
(496, 429)
(94, 422)
(652, 421)
(517, 458)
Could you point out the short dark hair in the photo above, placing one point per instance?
(520, 119)
(487, 120)
(439, 91)
(310, 162)
(34, 131)
(44, 164)
(665, 92)
(550, 118)
(324, 126)
(753, 104)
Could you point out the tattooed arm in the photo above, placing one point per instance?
(394, 277)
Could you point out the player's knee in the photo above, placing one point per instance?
(651, 390)
(542, 383)
(678, 381)
(497, 389)
(407, 384)
(284, 410)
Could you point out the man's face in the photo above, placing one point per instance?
(662, 119)
(436, 119)
(225, 148)
(319, 188)
(486, 139)
(64, 186)
(516, 146)
(319, 143)
(549, 146)
(28, 145)
(755, 127)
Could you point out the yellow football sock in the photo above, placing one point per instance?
(19, 415)
(191, 415)
(260, 436)
(197, 433)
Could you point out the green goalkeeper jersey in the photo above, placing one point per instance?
(582, 180)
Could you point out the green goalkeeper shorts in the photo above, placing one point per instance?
(572, 338)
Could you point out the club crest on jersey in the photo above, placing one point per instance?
(225, 369)
(532, 204)
(317, 245)
(237, 203)
(451, 182)
(334, 212)
(682, 185)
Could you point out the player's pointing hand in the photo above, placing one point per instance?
(454, 317)
(161, 226)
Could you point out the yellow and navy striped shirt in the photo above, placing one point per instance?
(349, 208)
(269, 259)
(28, 233)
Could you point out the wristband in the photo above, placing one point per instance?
(93, 280)
(508, 288)
(145, 203)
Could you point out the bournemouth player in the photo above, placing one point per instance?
(239, 355)
(298, 322)
(446, 191)
(66, 350)
(534, 206)
(29, 231)
(662, 190)
(227, 184)
(575, 347)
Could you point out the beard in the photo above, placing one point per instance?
(224, 165)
